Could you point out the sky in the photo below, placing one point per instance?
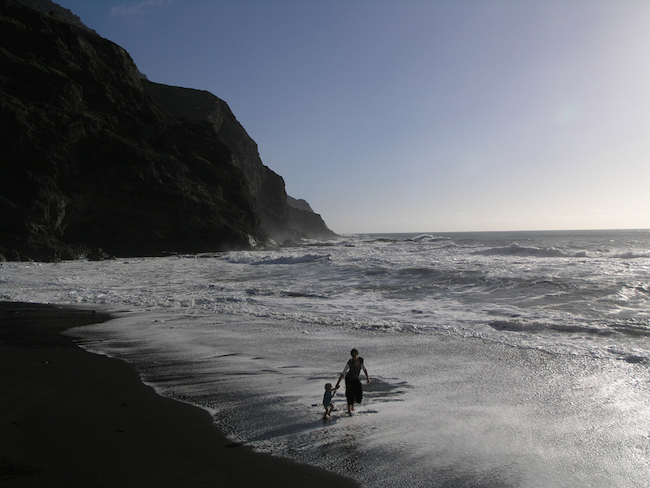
(421, 116)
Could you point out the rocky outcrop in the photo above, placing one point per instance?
(279, 218)
(51, 8)
(299, 204)
(301, 216)
(96, 158)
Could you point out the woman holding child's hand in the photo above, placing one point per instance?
(351, 372)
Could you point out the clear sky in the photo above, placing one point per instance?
(421, 116)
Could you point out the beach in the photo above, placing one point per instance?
(500, 360)
(72, 418)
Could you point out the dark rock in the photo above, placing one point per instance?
(275, 208)
(308, 223)
(302, 217)
(299, 204)
(91, 161)
(99, 255)
(51, 8)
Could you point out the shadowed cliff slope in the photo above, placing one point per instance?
(279, 218)
(90, 160)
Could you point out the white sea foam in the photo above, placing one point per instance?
(305, 258)
(631, 255)
(517, 250)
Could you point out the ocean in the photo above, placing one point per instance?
(497, 359)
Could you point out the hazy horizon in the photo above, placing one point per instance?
(469, 115)
(495, 231)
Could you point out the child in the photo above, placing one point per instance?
(327, 400)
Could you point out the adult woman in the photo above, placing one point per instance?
(353, 391)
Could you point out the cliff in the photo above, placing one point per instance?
(279, 217)
(97, 160)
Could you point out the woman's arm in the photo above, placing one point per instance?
(345, 370)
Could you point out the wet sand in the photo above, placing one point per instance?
(72, 418)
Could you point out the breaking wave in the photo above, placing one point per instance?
(305, 258)
(517, 250)
(631, 255)
(253, 259)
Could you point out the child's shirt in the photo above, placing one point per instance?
(327, 397)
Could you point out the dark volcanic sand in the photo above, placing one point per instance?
(71, 418)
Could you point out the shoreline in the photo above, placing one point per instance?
(69, 417)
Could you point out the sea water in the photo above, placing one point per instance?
(496, 359)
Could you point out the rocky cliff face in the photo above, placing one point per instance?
(95, 157)
(278, 215)
(51, 8)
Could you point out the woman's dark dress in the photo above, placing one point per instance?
(353, 391)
